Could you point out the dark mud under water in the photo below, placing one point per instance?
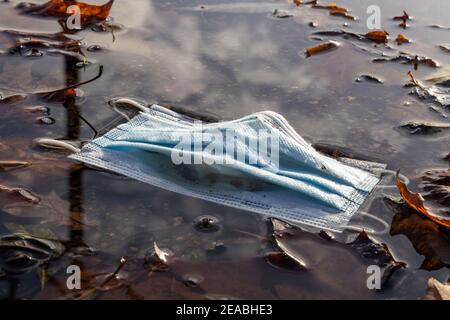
(229, 59)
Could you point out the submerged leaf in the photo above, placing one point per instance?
(323, 47)
(425, 235)
(416, 201)
(24, 195)
(300, 251)
(21, 253)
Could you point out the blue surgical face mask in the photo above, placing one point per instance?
(289, 179)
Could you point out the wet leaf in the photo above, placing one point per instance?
(90, 14)
(162, 255)
(342, 14)
(425, 235)
(422, 127)
(22, 253)
(368, 78)
(378, 253)
(320, 48)
(403, 17)
(282, 14)
(377, 36)
(97, 283)
(12, 99)
(416, 201)
(407, 58)
(438, 93)
(50, 209)
(303, 251)
(10, 165)
(445, 47)
(331, 7)
(437, 290)
(401, 39)
(20, 194)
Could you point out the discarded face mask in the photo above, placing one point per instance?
(270, 169)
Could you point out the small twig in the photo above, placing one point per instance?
(123, 261)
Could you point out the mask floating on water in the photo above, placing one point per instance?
(256, 163)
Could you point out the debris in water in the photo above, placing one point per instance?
(46, 120)
(404, 18)
(207, 223)
(377, 36)
(304, 251)
(438, 93)
(368, 78)
(320, 48)
(22, 193)
(377, 253)
(342, 14)
(158, 260)
(6, 165)
(416, 200)
(21, 253)
(402, 39)
(425, 235)
(420, 127)
(37, 109)
(281, 14)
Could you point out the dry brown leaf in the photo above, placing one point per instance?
(331, 6)
(403, 17)
(437, 290)
(416, 201)
(426, 236)
(20, 193)
(8, 165)
(326, 46)
(90, 14)
(377, 36)
(335, 7)
(342, 14)
(297, 2)
(401, 39)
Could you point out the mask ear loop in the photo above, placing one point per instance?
(377, 196)
(62, 145)
(128, 102)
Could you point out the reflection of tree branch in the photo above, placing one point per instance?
(49, 93)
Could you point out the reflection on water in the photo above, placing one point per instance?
(228, 58)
